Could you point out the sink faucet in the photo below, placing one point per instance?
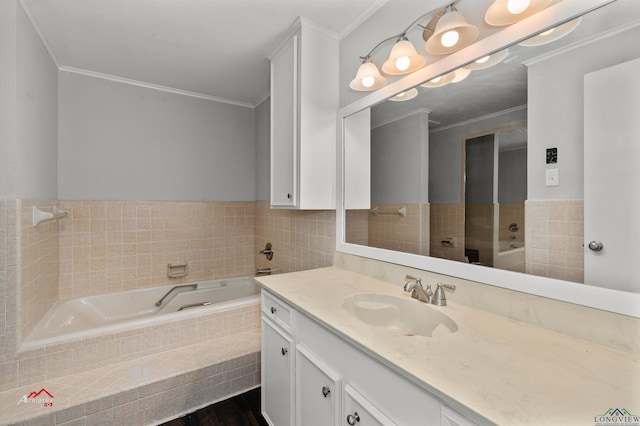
(414, 285)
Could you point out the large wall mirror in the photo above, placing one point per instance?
(497, 171)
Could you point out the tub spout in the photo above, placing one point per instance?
(193, 286)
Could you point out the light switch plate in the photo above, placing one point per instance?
(552, 177)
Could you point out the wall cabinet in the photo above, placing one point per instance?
(335, 382)
(304, 101)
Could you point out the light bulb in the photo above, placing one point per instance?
(450, 38)
(482, 60)
(516, 7)
(402, 63)
(368, 81)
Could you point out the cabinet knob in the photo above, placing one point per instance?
(352, 419)
(273, 309)
(288, 196)
(284, 351)
(326, 391)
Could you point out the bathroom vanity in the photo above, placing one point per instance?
(332, 354)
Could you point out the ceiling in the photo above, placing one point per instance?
(214, 48)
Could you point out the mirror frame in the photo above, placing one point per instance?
(617, 301)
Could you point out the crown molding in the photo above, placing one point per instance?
(402, 117)
(34, 23)
(360, 19)
(476, 119)
(146, 85)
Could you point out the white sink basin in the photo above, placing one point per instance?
(402, 316)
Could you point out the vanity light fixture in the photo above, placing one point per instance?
(403, 58)
(368, 77)
(452, 33)
(405, 96)
(507, 12)
(553, 34)
(488, 61)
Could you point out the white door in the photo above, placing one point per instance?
(277, 375)
(612, 176)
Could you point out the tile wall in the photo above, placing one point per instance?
(447, 220)
(392, 231)
(300, 239)
(479, 230)
(554, 238)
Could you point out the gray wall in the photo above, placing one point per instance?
(445, 154)
(512, 176)
(556, 110)
(124, 142)
(399, 160)
(480, 164)
(28, 106)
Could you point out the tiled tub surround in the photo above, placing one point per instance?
(108, 246)
(146, 390)
(119, 239)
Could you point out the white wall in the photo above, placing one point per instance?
(555, 88)
(28, 106)
(123, 142)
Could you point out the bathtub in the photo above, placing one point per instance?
(134, 309)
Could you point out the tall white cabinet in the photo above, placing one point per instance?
(304, 101)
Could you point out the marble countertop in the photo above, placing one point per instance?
(503, 370)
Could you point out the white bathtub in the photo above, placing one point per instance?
(87, 316)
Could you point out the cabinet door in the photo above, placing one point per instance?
(284, 124)
(317, 391)
(277, 375)
(359, 411)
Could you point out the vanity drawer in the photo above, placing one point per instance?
(278, 311)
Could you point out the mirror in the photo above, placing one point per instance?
(422, 210)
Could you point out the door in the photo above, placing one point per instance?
(612, 177)
(359, 411)
(317, 391)
(277, 375)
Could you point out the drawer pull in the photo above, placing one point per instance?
(326, 391)
(352, 419)
(284, 351)
(273, 310)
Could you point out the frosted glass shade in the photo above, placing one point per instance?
(451, 23)
(368, 78)
(403, 59)
(499, 14)
(488, 61)
(552, 34)
(440, 81)
(405, 96)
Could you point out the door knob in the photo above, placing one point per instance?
(326, 391)
(596, 246)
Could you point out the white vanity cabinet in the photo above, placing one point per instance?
(304, 101)
(336, 383)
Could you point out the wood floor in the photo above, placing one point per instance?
(240, 410)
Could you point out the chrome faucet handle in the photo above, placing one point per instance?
(439, 298)
(410, 278)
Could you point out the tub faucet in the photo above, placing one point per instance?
(414, 285)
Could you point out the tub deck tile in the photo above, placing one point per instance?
(149, 381)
